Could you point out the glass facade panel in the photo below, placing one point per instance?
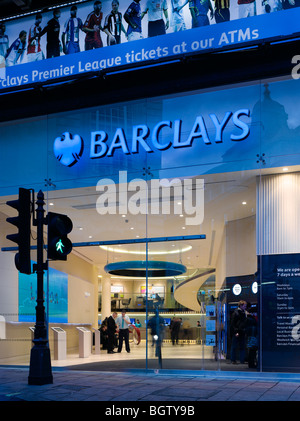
(183, 208)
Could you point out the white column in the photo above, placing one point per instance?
(106, 297)
(278, 214)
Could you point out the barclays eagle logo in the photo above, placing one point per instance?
(68, 149)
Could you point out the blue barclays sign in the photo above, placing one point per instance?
(23, 72)
(68, 148)
(191, 134)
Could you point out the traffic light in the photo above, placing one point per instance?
(59, 245)
(22, 238)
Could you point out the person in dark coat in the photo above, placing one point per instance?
(252, 338)
(175, 327)
(103, 335)
(156, 324)
(238, 331)
(111, 333)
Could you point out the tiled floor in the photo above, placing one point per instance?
(178, 352)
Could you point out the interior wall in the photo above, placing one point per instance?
(8, 287)
(241, 247)
(221, 262)
(81, 307)
(82, 289)
(278, 205)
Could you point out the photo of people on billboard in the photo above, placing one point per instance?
(90, 25)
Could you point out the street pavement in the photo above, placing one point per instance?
(157, 387)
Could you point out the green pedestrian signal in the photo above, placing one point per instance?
(59, 245)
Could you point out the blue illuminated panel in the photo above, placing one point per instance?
(58, 296)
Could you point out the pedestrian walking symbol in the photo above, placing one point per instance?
(59, 246)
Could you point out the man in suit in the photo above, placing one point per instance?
(123, 323)
(111, 331)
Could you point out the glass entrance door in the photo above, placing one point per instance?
(219, 270)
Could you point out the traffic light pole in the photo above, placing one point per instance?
(40, 371)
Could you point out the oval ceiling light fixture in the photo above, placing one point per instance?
(152, 252)
(142, 268)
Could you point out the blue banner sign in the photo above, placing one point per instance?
(28, 55)
(281, 311)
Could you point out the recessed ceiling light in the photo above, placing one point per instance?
(244, 203)
(179, 249)
(51, 204)
(181, 216)
(183, 228)
(285, 169)
(123, 216)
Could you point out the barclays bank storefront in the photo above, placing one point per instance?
(184, 206)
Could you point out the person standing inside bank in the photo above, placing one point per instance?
(238, 331)
(123, 323)
(111, 331)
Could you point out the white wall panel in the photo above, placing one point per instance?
(278, 213)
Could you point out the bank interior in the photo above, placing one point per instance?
(219, 269)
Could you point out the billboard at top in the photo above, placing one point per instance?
(91, 36)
